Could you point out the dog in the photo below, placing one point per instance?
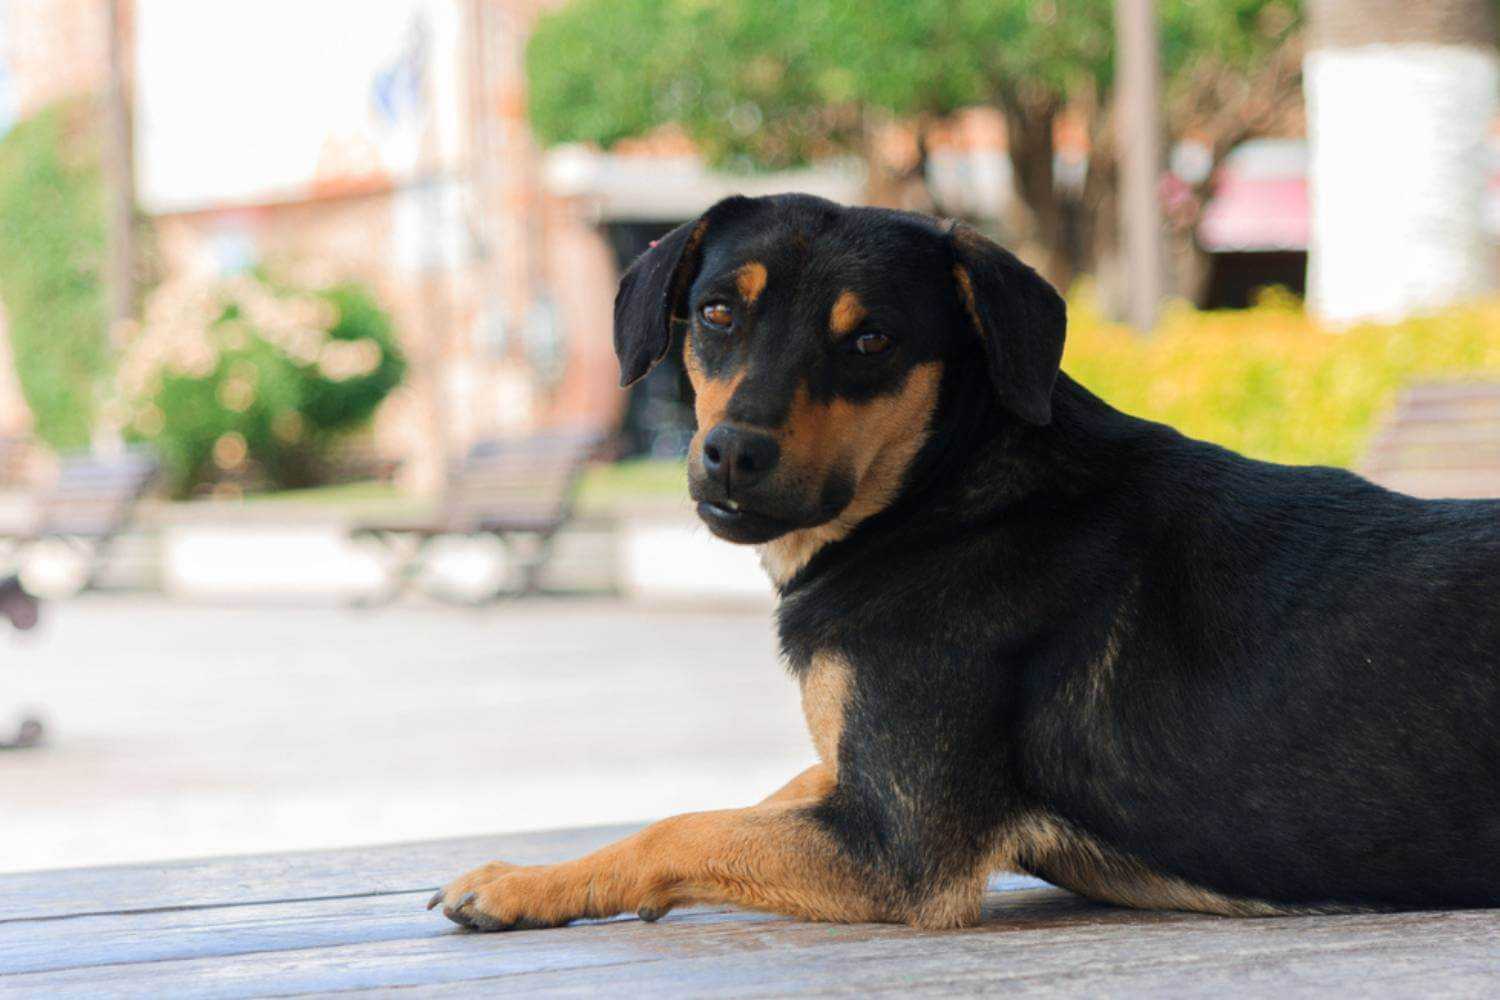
(1033, 633)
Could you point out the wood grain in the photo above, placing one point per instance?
(354, 921)
(273, 877)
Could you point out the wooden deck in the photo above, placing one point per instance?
(353, 920)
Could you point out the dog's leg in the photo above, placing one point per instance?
(775, 856)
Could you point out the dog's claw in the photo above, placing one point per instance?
(437, 898)
(454, 911)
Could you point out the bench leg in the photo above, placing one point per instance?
(98, 557)
(406, 555)
(525, 580)
(528, 563)
(531, 565)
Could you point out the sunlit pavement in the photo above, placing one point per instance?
(180, 731)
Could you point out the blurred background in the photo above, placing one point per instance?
(315, 480)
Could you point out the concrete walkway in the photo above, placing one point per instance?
(179, 731)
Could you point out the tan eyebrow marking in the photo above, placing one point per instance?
(847, 313)
(750, 279)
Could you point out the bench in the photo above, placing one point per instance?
(519, 491)
(325, 922)
(90, 502)
(1441, 439)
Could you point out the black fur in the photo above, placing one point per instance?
(1022, 321)
(649, 299)
(1271, 682)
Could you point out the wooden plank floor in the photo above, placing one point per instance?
(341, 921)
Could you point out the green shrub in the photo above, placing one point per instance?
(243, 376)
(52, 238)
(1270, 381)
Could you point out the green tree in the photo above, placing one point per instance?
(51, 253)
(773, 83)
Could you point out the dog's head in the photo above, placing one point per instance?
(817, 338)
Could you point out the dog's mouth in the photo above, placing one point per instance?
(734, 522)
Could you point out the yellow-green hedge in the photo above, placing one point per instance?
(1270, 382)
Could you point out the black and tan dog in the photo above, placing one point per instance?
(1034, 633)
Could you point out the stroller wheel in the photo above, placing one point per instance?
(29, 735)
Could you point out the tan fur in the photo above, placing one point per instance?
(959, 904)
(711, 395)
(847, 313)
(768, 857)
(1099, 677)
(825, 698)
(772, 856)
(813, 784)
(1103, 670)
(875, 441)
(1064, 855)
(966, 294)
(713, 398)
(750, 279)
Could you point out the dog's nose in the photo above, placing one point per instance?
(737, 457)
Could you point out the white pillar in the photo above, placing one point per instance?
(1398, 133)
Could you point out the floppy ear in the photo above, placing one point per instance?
(649, 294)
(652, 291)
(1019, 318)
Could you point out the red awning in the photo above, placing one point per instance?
(1259, 202)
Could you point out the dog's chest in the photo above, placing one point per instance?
(826, 687)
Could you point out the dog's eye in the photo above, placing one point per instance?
(717, 315)
(872, 343)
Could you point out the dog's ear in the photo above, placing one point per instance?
(649, 295)
(1018, 317)
(652, 291)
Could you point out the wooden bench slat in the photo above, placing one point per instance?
(1046, 953)
(220, 881)
(506, 487)
(1032, 940)
(262, 954)
(1442, 433)
(1441, 439)
(1452, 390)
(95, 496)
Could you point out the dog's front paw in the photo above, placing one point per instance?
(503, 897)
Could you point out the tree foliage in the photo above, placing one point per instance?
(51, 256)
(244, 378)
(760, 78)
(761, 84)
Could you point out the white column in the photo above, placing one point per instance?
(1399, 163)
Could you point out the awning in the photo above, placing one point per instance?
(1259, 202)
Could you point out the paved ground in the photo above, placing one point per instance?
(181, 731)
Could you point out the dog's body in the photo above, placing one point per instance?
(1034, 633)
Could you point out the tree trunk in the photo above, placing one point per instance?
(1140, 140)
(1029, 127)
(1400, 97)
(1101, 236)
(895, 157)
